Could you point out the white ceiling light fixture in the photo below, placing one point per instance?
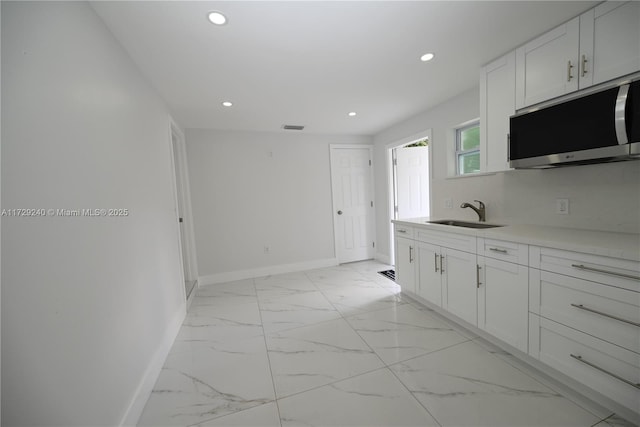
(352, 114)
(216, 18)
(227, 103)
(427, 57)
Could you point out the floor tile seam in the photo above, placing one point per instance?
(304, 326)
(266, 347)
(539, 377)
(413, 395)
(390, 365)
(199, 423)
(331, 383)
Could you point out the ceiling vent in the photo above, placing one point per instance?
(292, 127)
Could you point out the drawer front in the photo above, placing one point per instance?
(504, 250)
(461, 242)
(609, 313)
(609, 271)
(404, 231)
(593, 362)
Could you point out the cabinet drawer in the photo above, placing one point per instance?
(609, 271)
(597, 364)
(461, 242)
(404, 231)
(609, 313)
(503, 250)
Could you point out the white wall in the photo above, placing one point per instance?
(86, 302)
(602, 197)
(250, 190)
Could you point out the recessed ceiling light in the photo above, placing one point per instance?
(427, 57)
(217, 18)
(227, 103)
(351, 114)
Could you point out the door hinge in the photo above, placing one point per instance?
(395, 162)
(372, 203)
(374, 244)
(369, 162)
(395, 209)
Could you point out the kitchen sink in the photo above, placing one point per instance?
(466, 224)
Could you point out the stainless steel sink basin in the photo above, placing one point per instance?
(466, 224)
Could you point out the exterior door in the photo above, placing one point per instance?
(412, 182)
(352, 187)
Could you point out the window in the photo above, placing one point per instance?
(468, 149)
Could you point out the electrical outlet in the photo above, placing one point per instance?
(562, 206)
(448, 203)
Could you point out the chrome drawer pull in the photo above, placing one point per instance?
(612, 273)
(502, 251)
(582, 307)
(435, 261)
(402, 231)
(410, 254)
(580, 359)
(478, 275)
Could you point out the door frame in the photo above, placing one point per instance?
(373, 193)
(182, 195)
(427, 133)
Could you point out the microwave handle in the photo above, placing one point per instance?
(620, 110)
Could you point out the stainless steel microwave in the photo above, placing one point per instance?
(595, 126)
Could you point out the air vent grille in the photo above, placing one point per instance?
(292, 127)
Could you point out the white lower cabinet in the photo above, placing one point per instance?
(503, 299)
(429, 276)
(607, 368)
(405, 264)
(460, 295)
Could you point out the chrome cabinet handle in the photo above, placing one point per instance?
(569, 67)
(441, 267)
(611, 316)
(435, 262)
(478, 275)
(410, 254)
(583, 66)
(501, 251)
(402, 231)
(580, 359)
(611, 273)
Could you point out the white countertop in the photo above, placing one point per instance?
(605, 243)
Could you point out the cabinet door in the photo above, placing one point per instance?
(503, 301)
(459, 277)
(429, 276)
(609, 42)
(405, 265)
(547, 66)
(497, 104)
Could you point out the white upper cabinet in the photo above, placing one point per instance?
(547, 66)
(600, 45)
(497, 104)
(609, 42)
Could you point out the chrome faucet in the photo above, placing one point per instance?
(480, 210)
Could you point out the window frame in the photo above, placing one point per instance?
(459, 152)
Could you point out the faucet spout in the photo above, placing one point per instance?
(480, 210)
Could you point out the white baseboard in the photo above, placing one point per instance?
(232, 276)
(383, 258)
(145, 387)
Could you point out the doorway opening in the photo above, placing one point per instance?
(182, 205)
(409, 168)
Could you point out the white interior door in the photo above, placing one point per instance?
(352, 188)
(412, 182)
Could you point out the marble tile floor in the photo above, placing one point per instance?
(341, 346)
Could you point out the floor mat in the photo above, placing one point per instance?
(389, 274)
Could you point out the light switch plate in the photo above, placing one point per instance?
(448, 203)
(562, 206)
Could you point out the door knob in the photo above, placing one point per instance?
(339, 212)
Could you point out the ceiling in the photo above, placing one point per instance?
(312, 62)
